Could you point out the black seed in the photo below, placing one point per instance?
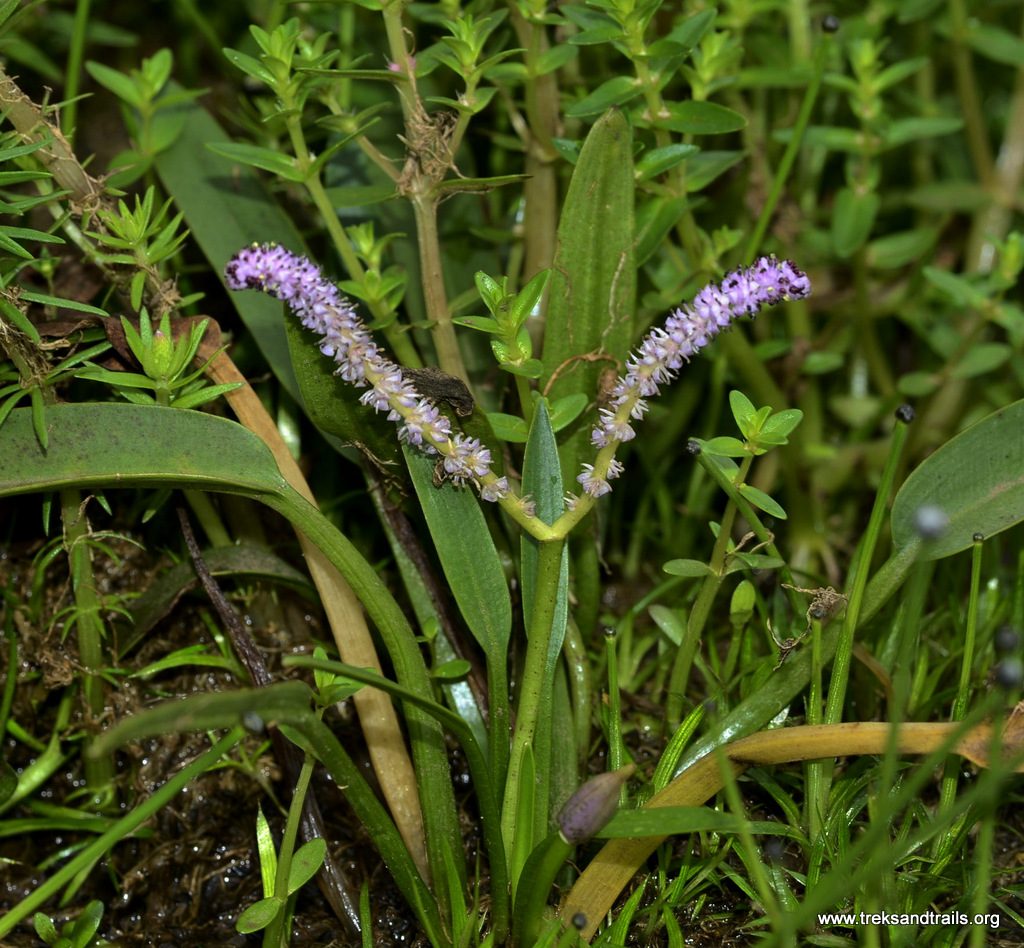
(905, 413)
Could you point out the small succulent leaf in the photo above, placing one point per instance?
(853, 216)
(454, 670)
(306, 863)
(762, 501)
(688, 568)
(743, 411)
(259, 915)
(509, 428)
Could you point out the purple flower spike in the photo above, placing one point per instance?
(321, 307)
(664, 349)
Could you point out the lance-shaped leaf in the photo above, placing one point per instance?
(592, 293)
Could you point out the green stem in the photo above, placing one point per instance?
(950, 778)
(430, 755)
(538, 878)
(99, 772)
(549, 561)
(614, 708)
(991, 222)
(858, 585)
(73, 73)
(814, 817)
(540, 191)
(442, 328)
(424, 204)
(971, 106)
(207, 515)
(400, 342)
(702, 608)
(861, 570)
(276, 933)
(475, 759)
(792, 149)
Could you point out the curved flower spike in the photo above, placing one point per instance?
(665, 348)
(321, 307)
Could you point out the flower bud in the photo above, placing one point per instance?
(162, 357)
(594, 804)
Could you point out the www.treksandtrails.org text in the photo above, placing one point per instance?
(852, 919)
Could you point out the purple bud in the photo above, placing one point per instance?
(593, 805)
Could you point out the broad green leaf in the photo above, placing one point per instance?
(835, 138)
(592, 292)
(226, 208)
(360, 195)
(900, 71)
(607, 33)
(306, 862)
(116, 82)
(700, 118)
(249, 65)
(468, 556)
(819, 363)
(480, 323)
(686, 35)
(746, 561)
(977, 479)
(853, 216)
(99, 445)
(669, 621)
